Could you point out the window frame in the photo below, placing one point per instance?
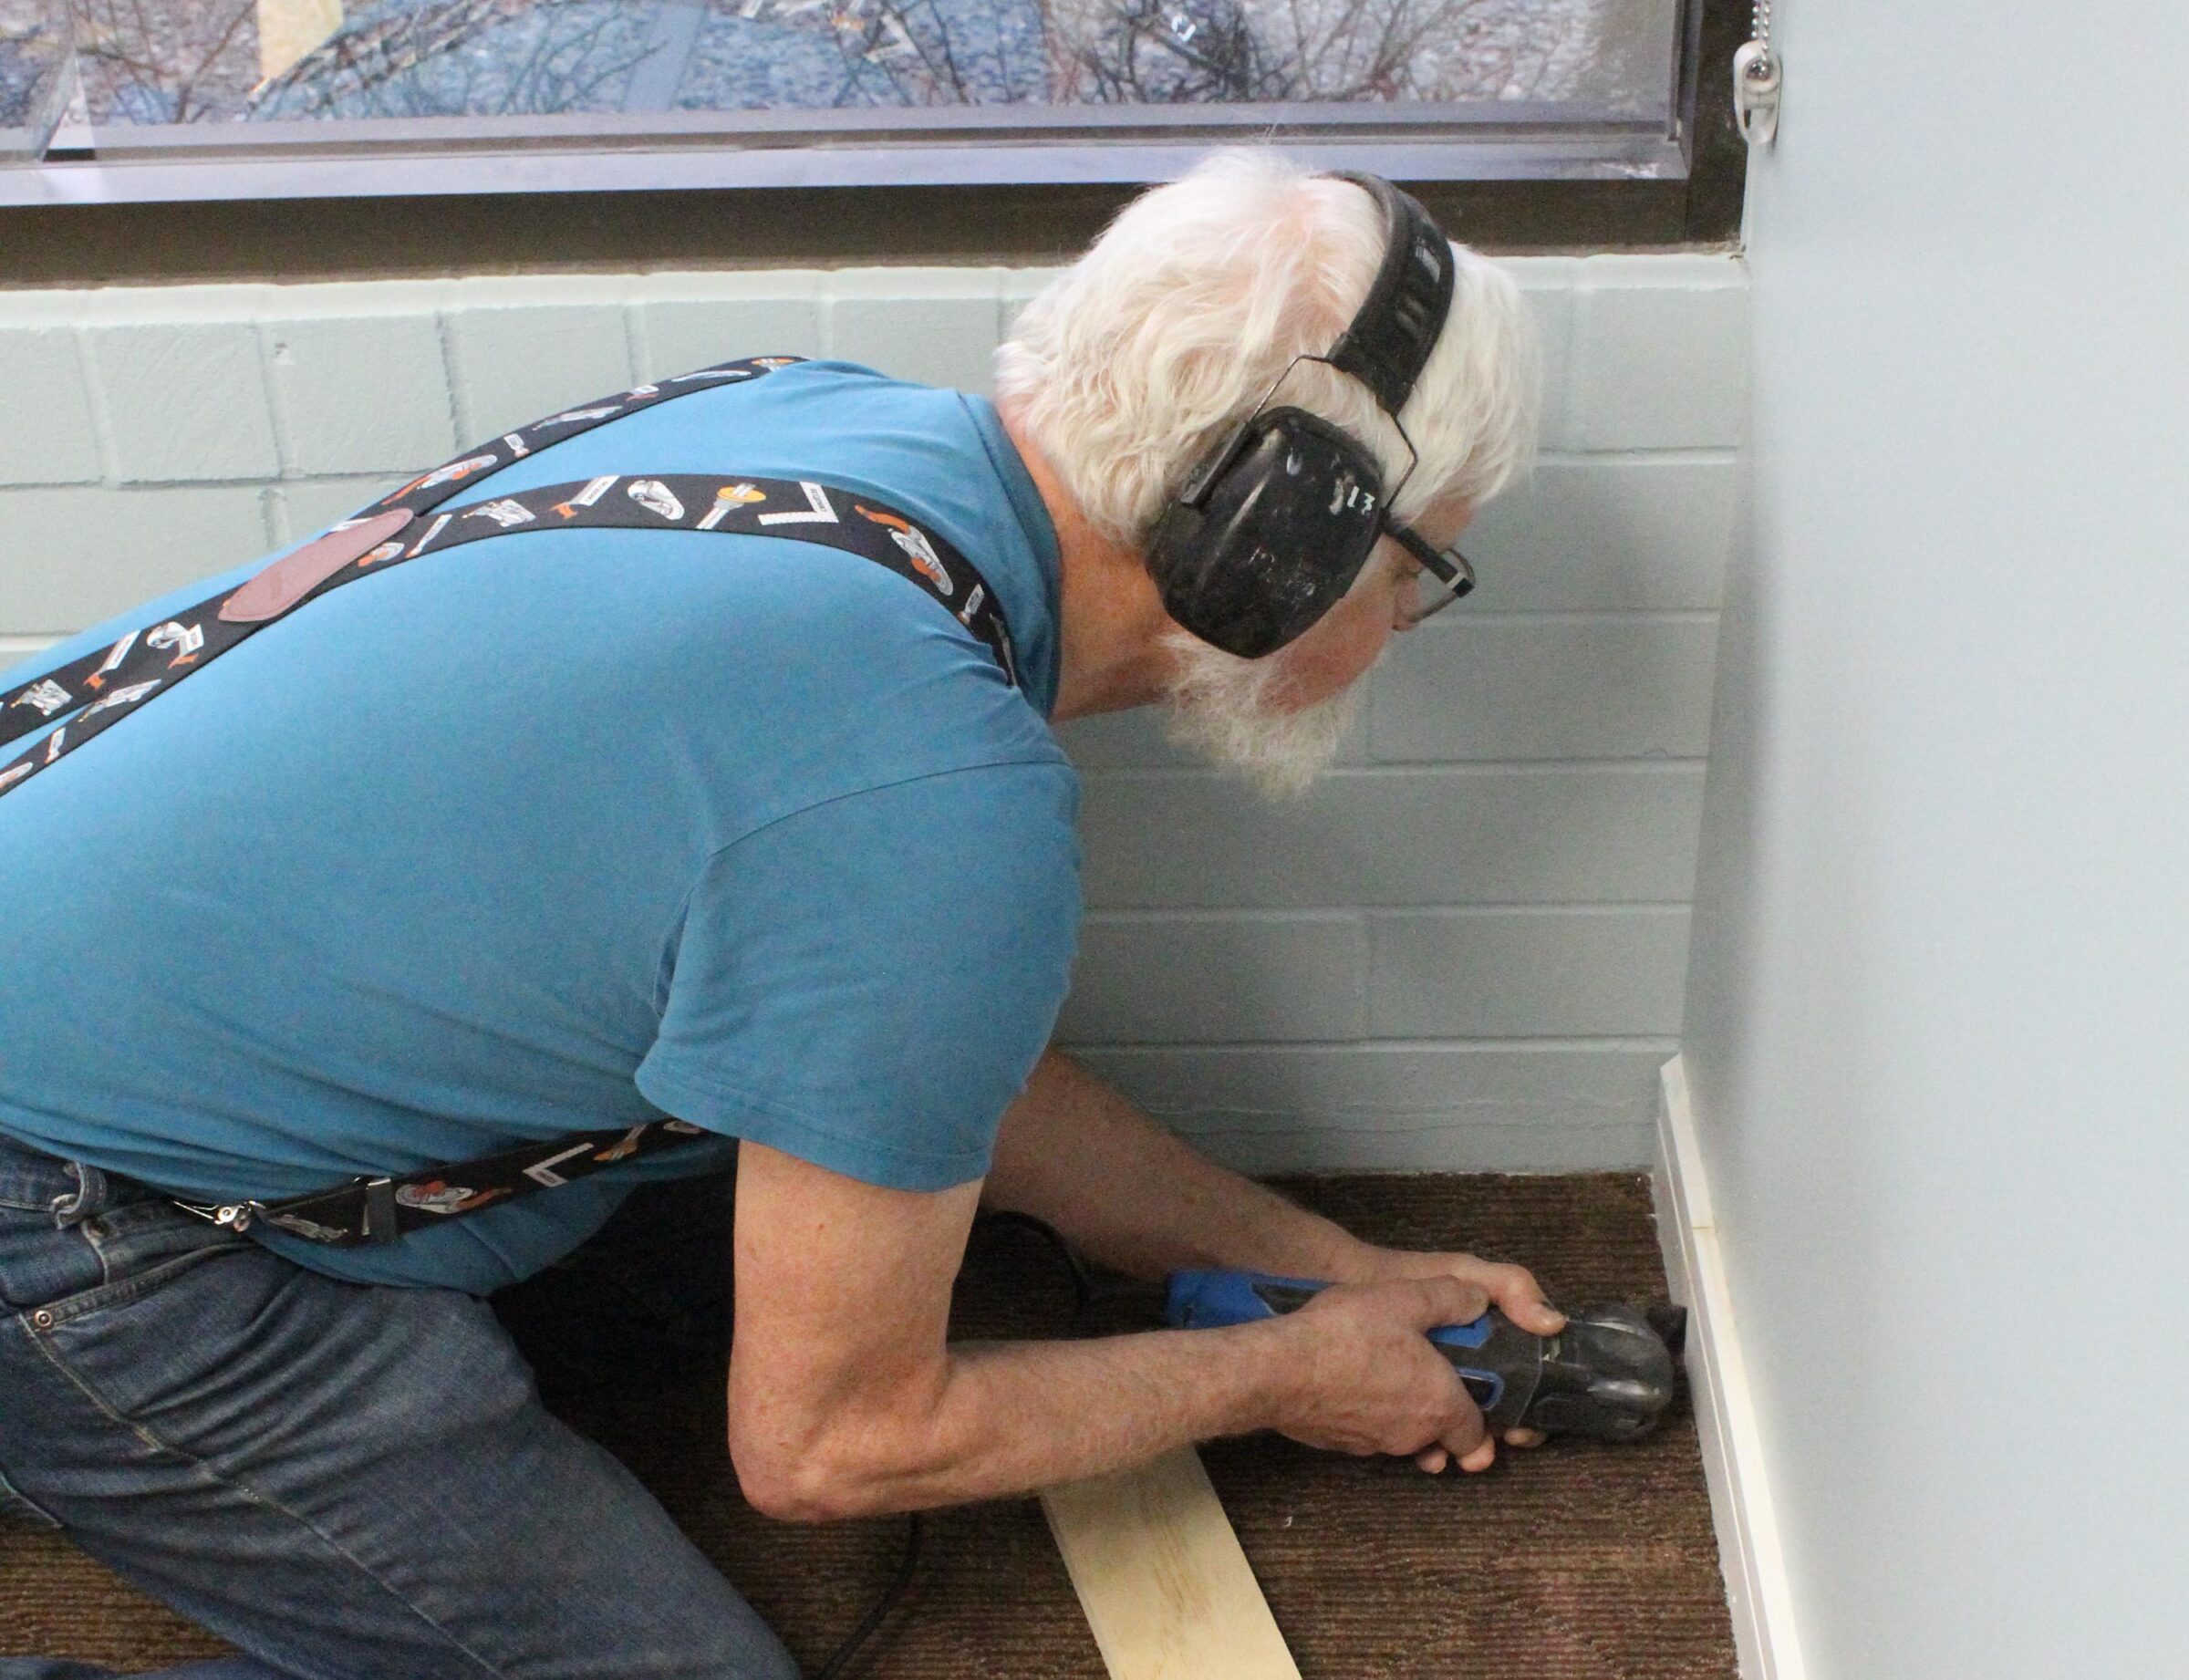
(984, 145)
(889, 183)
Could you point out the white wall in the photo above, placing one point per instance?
(1466, 949)
(1938, 1018)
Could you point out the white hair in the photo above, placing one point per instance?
(1231, 710)
(1138, 358)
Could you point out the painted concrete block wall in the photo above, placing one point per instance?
(1466, 947)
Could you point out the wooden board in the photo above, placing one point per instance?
(1160, 1574)
(287, 29)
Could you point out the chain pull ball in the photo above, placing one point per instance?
(1755, 77)
(1756, 93)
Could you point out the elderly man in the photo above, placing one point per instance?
(439, 861)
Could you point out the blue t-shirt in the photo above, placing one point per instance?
(565, 831)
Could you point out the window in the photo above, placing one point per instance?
(34, 61)
(209, 140)
(211, 98)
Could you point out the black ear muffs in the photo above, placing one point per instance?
(1273, 528)
(1276, 523)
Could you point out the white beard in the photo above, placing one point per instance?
(1222, 707)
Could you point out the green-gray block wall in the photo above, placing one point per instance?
(1466, 948)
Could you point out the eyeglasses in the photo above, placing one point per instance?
(1446, 574)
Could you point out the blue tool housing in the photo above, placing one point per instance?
(1205, 1300)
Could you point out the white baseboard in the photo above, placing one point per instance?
(1740, 1495)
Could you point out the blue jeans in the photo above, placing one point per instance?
(345, 1482)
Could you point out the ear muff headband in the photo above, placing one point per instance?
(1395, 329)
(1275, 523)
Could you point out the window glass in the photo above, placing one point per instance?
(208, 62)
(34, 55)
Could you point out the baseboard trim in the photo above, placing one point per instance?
(1740, 1497)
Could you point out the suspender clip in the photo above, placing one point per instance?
(380, 1209)
(231, 1216)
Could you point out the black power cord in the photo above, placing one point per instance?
(1083, 1290)
(840, 1658)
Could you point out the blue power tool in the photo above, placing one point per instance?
(1609, 1375)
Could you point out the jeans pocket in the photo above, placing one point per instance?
(135, 1285)
(17, 1507)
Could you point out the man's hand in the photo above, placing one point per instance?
(1512, 1290)
(1367, 1379)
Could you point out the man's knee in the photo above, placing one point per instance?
(772, 1663)
(724, 1639)
(747, 1650)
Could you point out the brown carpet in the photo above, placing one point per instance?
(1572, 1562)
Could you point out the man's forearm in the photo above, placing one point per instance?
(1009, 1418)
(1073, 1151)
(847, 1397)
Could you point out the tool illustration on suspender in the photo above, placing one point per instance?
(90, 694)
(914, 542)
(46, 697)
(186, 642)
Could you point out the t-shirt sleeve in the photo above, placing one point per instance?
(866, 984)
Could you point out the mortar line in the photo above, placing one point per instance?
(95, 392)
(458, 406)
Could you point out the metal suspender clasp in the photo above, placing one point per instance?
(379, 1198)
(231, 1216)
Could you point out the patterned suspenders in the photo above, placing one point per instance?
(105, 686)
